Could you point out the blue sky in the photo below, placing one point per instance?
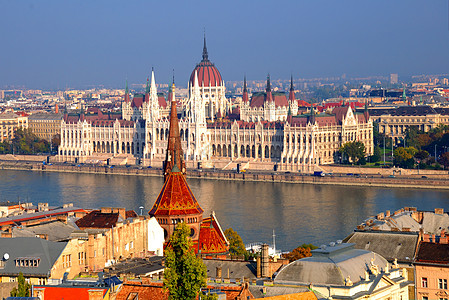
(59, 44)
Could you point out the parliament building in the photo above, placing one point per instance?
(269, 133)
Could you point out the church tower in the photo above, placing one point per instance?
(174, 154)
(176, 202)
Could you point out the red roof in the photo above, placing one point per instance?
(302, 103)
(175, 198)
(162, 102)
(137, 101)
(258, 99)
(97, 219)
(70, 293)
(212, 239)
(208, 74)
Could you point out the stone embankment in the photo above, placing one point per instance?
(345, 176)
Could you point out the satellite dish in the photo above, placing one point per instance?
(6, 256)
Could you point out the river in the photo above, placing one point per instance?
(299, 213)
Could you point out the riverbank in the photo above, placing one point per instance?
(345, 177)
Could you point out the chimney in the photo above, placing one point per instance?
(218, 272)
(387, 213)
(380, 216)
(258, 267)
(439, 211)
(265, 261)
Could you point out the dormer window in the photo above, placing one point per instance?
(27, 262)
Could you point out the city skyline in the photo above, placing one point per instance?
(53, 45)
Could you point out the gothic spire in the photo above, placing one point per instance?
(205, 55)
(174, 155)
(245, 91)
(147, 88)
(268, 83)
(291, 96)
(269, 96)
(291, 83)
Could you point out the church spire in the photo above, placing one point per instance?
(268, 89)
(174, 155)
(245, 91)
(205, 55)
(291, 96)
(126, 92)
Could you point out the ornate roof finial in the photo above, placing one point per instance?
(205, 55)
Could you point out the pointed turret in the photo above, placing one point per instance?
(245, 98)
(291, 96)
(127, 92)
(205, 54)
(153, 89)
(365, 112)
(312, 117)
(174, 153)
(147, 91)
(268, 89)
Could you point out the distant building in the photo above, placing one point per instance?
(9, 123)
(45, 125)
(395, 122)
(394, 78)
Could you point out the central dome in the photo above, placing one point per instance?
(208, 74)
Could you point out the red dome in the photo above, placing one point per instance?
(208, 74)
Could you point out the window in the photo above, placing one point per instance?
(425, 298)
(424, 282)
(442, 284)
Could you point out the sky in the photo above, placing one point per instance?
(77, 44)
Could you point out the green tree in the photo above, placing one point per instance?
(354, 150)
(23, 288)
(236, 245)
(376, 155)
(185, 273)
(411, 137)
(403, 157)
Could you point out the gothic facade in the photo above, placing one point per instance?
(269, 131)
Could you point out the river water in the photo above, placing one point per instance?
(298, 213)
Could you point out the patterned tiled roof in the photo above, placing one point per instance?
(212, 239)
(175, 198)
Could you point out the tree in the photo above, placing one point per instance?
(423, 154)
(354, 150)
(185, 274)
(236, 245)
(376, 155)
(300, 252)
(403, 157)
(23, 288)
(411, 137)
(444, 159)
